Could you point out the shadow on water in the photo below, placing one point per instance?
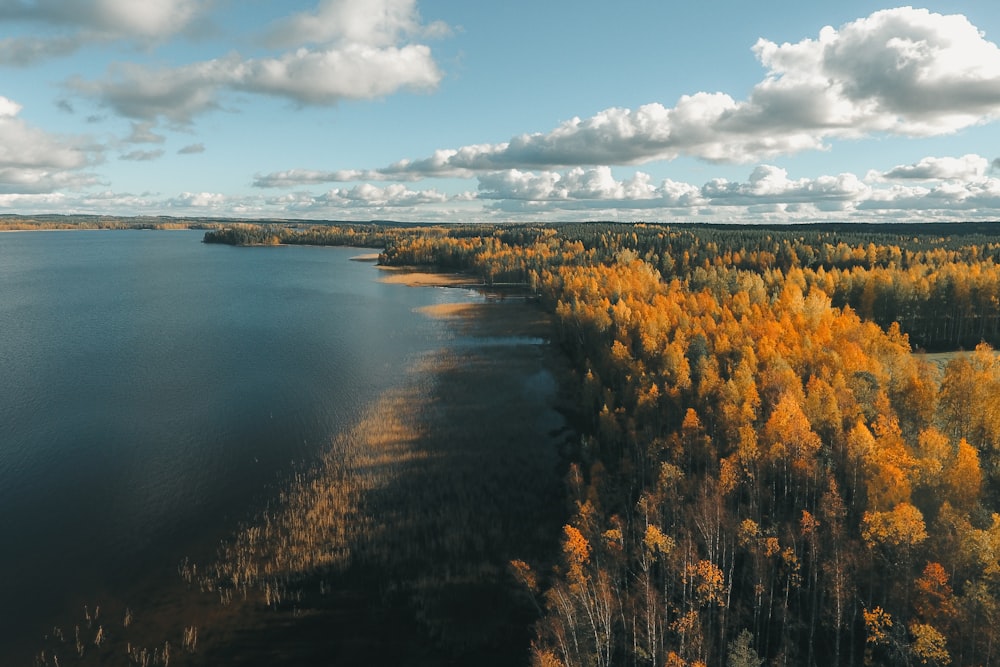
(447, 480)
(395, 548)
(454, 476)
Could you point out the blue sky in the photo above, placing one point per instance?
(455, 111)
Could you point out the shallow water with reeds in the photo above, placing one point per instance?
(154, 389)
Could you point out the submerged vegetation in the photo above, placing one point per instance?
(768, 471)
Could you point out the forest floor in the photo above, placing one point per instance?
(395, 549)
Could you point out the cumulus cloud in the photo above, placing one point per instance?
(768, 193)
(26, 202)
(34, 161)
(981, 195)
(944, 168)
(902, 71)
(178, 94)
(363, 197)
(365, 56)
(87, 21)
(199, 200)
(369, 195)
(329, 75)
(9, 108)
(191, 149)
(305, 77)
(577, 186)
(42, 181)
(770, 185)
(767, 186)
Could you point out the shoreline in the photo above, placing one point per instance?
(416, 277)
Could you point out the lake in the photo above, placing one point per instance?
(154, 390)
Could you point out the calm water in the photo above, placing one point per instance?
(152, 388)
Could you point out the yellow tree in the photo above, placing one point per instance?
(792, 447)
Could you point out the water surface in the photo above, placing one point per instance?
(154, 388)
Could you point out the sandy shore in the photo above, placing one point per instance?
(405, 276)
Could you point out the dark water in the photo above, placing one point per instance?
(153, 387)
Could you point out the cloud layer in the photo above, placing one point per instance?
(33, 161)
(357, 49)
(939, 187)
(79, 22)
(902, 71)
(897, 73)
(768, 193)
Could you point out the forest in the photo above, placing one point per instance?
(770, 469)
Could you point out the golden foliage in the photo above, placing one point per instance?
(901, 528)
(877, 625)
(929, 646)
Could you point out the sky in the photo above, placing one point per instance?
(524, 111)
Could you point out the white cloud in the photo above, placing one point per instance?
(767, 194)
(178, 94)
(209, 201)
(373, 22)
(770, 185)
(34, 161)
(903, 71)
(577, 186)
(42, 181)
(86, 21)
(9, 108)
(368, 195)
(364, 197)
(27, 202)
(191, 149)
(329, 75)
(364, 56)
(951, 196)
(306, 77)
(945, 168)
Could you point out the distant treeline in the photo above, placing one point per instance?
(70, 222)
(274, 234)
